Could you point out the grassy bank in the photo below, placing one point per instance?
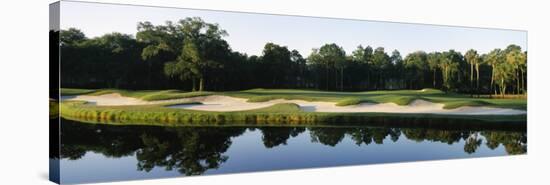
(285, 113)
(400, 97)
(147, 95)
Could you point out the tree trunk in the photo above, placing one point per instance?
(471, 73)
(522, 83)
(342, 79)
(517, 79)
(471, 76)
(194, 84)
(368, 80)
(477, 78)
(434, 78)
(327, 78)
(492, 79)
(471, 79)
(201, 84)
(318, 75)
(502, 87)
(336, 79)
(379, 81)
(149, 77)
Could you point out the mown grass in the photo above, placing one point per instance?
(352, 101)
(173, 95)
(279, 113)
(278, 108)
(471, 103)
(284, 113)
(399, 97)
(147, 95)
(264, 98)
(72, 91)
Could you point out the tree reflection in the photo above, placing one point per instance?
(472, 143)
(327, 135)
(189, 150)
(513, 142)
(195, 150)
(275, 136)
(366, 135)
(434, 135)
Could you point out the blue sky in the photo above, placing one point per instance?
(248, 33)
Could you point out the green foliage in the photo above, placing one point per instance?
(397, 99)
(173, 94)
(71, 36)
(191, 54)
(352, 101)
(280, 108)
(348, 101)
(195, 47)
(415, 64)
(471, 103)
(72, 91)
(331, 58)
(261, 98)
(450, 66)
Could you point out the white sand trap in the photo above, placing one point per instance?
(222, 103)
(226, 103)
(113, 99)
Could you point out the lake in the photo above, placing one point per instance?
(96, 153)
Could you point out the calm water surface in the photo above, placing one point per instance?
(95, 153)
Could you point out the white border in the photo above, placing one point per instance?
(25, 89)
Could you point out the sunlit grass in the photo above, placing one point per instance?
(278, 113)
(399, 97)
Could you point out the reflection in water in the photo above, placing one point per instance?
(190, 150)
(275, 136)
(195, 150)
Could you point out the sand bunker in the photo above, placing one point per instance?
(113, 99)
(227, 103)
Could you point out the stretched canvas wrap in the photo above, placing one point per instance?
(139, 92)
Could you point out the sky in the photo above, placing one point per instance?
(249, 32)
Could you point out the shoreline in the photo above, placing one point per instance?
(222, 103)
(458, 123)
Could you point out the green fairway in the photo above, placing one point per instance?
(279, 113)
(400, 97)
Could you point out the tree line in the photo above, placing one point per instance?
(191, 54)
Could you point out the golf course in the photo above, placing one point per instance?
(186, 73)
(156, 92)
(278, 106)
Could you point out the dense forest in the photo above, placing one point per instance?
(191, 54)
